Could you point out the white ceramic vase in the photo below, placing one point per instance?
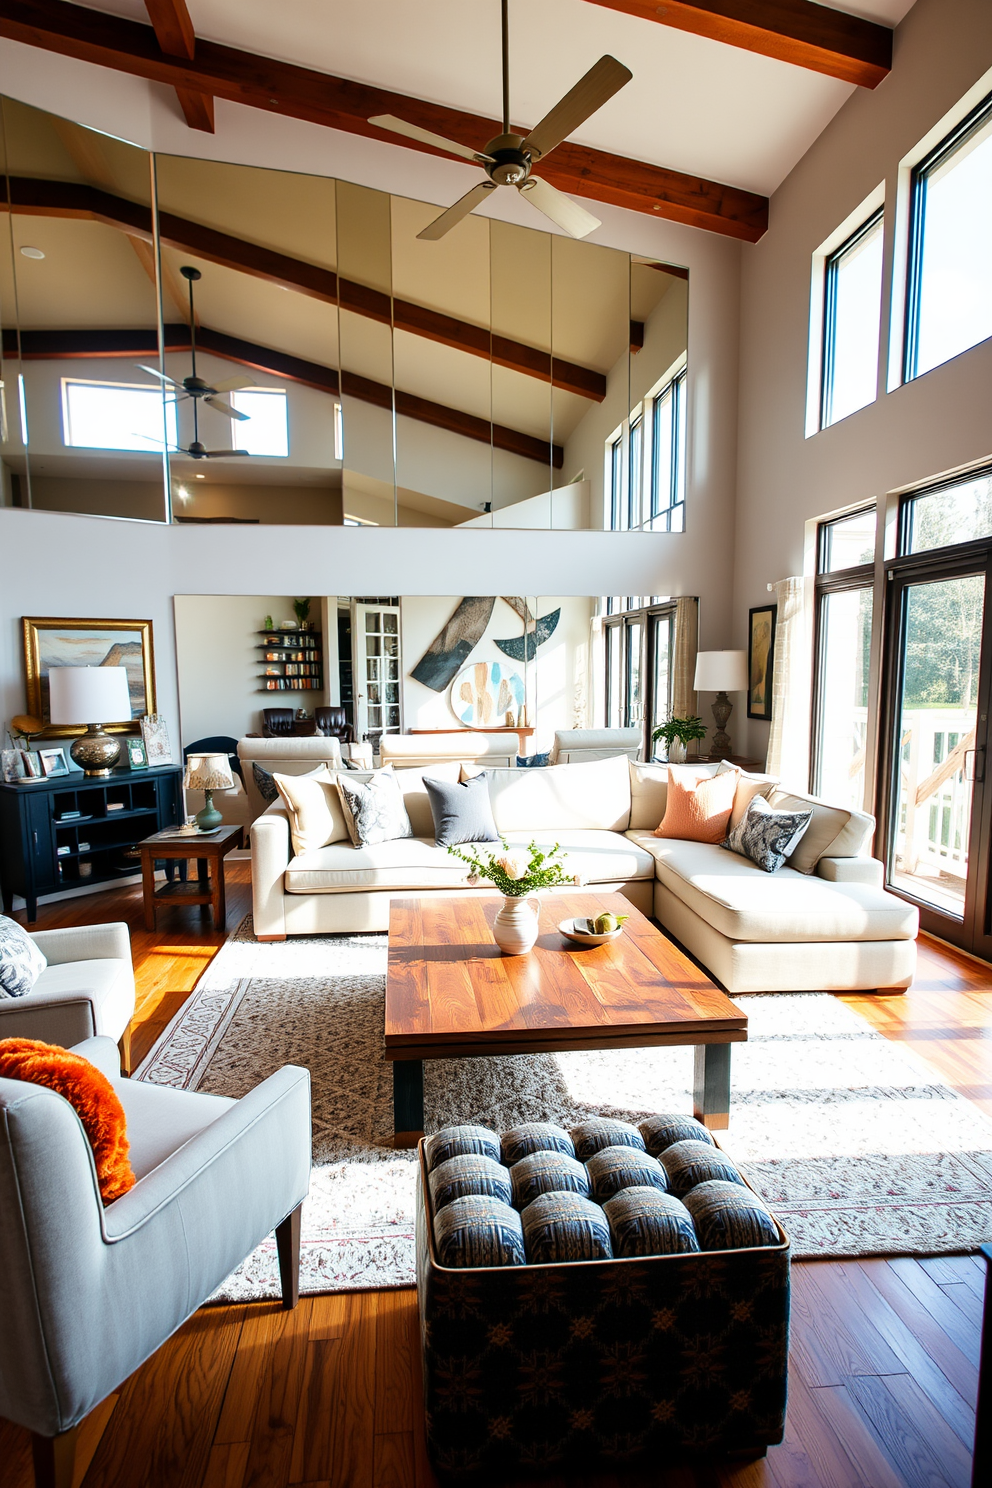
(676, 752)
(516, 925)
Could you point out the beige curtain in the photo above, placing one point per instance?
(788, 739)
(684, 647)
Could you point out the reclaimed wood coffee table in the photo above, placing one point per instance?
(450, 994)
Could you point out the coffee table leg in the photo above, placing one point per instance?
(408, 1102)
(711, 1086)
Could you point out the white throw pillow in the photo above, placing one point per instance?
(21, 962)
(314, 807)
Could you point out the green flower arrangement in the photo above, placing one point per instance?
(517, 872)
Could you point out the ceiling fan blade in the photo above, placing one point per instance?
(160, 444)
(454, 215)
(225, 408)
(604, 78)
(559, 207)
(231, 384)
(413, 131)
(154, 372)
(222, 454)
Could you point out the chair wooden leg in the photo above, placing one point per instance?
(288, 1247)
(124, 1044)
(54, 1458)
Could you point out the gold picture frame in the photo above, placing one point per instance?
(59, 641)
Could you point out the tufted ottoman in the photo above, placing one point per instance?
(538, 1367)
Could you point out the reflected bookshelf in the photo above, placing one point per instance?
(291, 661)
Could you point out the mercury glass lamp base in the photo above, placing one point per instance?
(95, 752)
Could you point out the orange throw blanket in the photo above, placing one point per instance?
(89, 1092)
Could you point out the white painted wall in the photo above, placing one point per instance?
(934, 424)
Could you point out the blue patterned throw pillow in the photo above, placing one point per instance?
(469, 1173)
(21, 962)
(767, 837)
(535, 1136)
(664, 1131)
(452, 1141)
(690, 1163)
(533, 761)
(645, 1221)
(614, 1168)
(599, 1132)
(728, 1216)
(547, 1172)
(565, 1227)
(478, 1231)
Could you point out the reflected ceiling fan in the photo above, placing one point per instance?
(197, 388)
(507, 159)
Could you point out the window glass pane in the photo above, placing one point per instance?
(842, 685)
(848, 542)
(851, 325)
(635, 698)
(120, 416)
(616, 485)
(661, 483)
(614, 678)
(634, 475)
(661, 696)
(954, 269)
(955, 514)
(266, 431)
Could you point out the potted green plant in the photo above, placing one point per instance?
(677, 734)
(518, 873)
(302, 608)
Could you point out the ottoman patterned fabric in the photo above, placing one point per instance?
(547, 1172)
(660, 1132)
(469, 1173)
(645, 1221)
(478, 1231)
(592, 1136)
(614, 1168)
(565, 1227)
(453, 1141)
(728, 1216)
(535, 1136)
(689, 1163)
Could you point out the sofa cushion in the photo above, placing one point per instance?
(412, 863)
(835, 831)
(313, 804)
(697, 810)
(21, 961)
(748, 786)
(461, 811)
(106, 983)
(740, 901)
(767, 837)
(649, 791)
(594, 795)
(375, 811)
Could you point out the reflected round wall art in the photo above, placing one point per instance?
(484, 692)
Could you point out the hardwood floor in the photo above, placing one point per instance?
(884, 1359)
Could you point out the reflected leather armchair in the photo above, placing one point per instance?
(88, 1293)
(277, 722)
(332, 723)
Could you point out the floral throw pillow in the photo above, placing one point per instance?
(767, 837)
(375, 812)
(21, 962)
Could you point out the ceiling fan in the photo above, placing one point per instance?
(507, 159)
(197, 388)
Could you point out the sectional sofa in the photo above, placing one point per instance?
(823, 922)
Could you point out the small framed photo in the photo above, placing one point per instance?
(32, 766)
(13, 765)
(137, 754)
(53, 762)
(155, 734)
(760, 660)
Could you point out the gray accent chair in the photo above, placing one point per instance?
(86, 989)
(88, 1293)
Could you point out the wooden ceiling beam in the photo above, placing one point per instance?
(34, 196)
(174, 33)
(797, 31)
(340, 103)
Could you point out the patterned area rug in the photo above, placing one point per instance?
(856, 1145)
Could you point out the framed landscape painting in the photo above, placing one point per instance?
(760, 660)
(53, 642)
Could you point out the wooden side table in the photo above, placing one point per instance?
(206, 888)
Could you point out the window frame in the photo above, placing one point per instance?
(840, 581)
(904, 522)
(170, 433)
(675, 390)
(617, 629)
(831, 265)
(270, 392)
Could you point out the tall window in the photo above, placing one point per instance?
(949, 292)
(843, 645)
(668, 457)
(645, 461)
(615, 466)
(638, 664)
(116, 416)
(266, 429)
(851, 317)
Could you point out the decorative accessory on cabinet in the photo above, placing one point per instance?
(79, 694)
(518, 873)
(677, 733)
(155, 733)
(721, 672)
(208, 772)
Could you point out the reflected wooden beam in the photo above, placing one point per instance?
(43, 198)
(797, 31)
(174, 33)
(341, 103)
(69, 345)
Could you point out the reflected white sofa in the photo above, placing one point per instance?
(86, 989)
(416, 751)
(578, 746)
(832, 928)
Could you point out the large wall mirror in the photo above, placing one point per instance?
(347, 372)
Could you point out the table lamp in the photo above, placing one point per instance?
(721, 672)
(208, 772)
(76, 694)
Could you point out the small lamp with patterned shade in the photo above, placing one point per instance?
(208, 772)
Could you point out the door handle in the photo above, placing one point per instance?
(977, 771)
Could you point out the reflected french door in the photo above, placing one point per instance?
(375, 640)
(935, 798)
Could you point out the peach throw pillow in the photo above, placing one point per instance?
(698, 810)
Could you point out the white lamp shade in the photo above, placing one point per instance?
(208, 772)
(78, 695)
(721, 671)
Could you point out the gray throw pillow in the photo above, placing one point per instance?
(267, 788)
(375, 812)
(461, 810)
(21, 962)
(765, 836)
